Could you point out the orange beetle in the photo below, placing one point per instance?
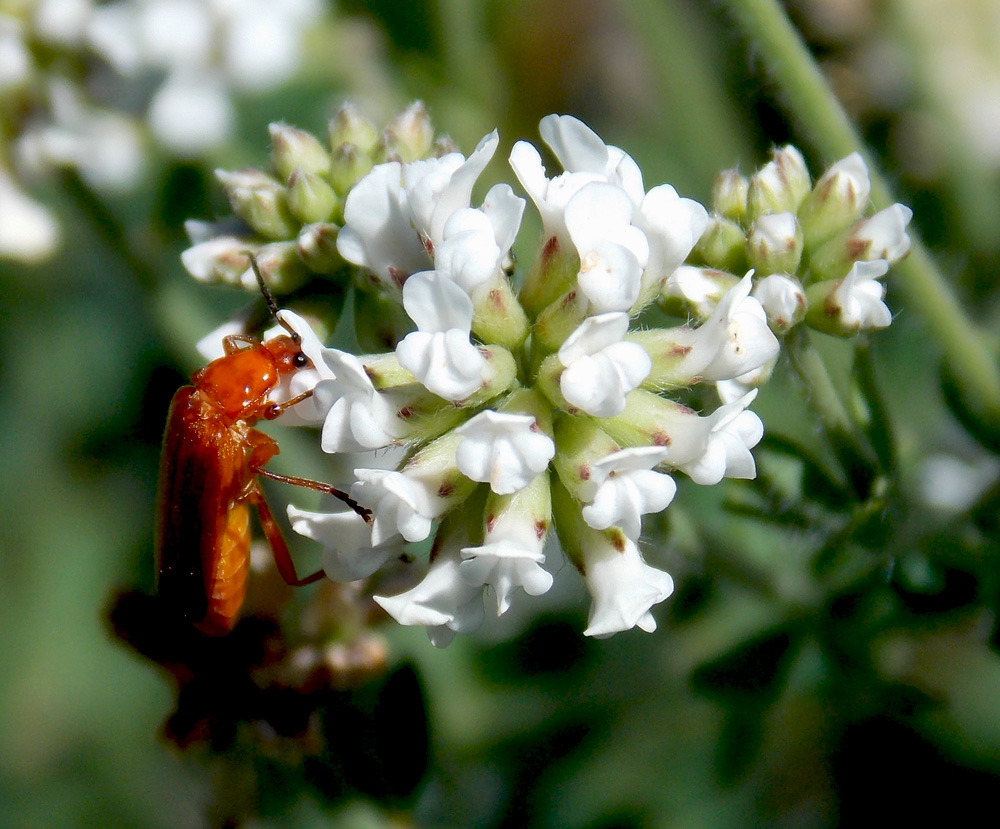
(211, 458)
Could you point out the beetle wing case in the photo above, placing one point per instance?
(201, 544)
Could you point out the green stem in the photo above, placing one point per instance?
(821, 118)
(811, 370)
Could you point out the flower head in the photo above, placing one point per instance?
(547, 406)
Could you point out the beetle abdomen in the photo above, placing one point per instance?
(227, 585)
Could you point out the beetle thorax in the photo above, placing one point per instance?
(240, 383)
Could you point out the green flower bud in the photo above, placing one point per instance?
(349, 126)
(559, 320)
(551, 274)
(530, 506)
(780, 185)
(317, 247)
(729, 195)
(281, 267)
(410, 135)
(260, 201)
(294, 149)
(838, 199)
(694, 292)
(527, 401)
(310, 198)
(722, 246)
(499, 317)
(348, 165)
(774, 244)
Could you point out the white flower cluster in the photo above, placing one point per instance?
(549, 396)
(816, 253)
(187, 56)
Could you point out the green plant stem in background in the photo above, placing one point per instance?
(806, 93)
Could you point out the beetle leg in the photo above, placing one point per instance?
(329, 489)
(279, 548)
(231, 342)
(276, 409)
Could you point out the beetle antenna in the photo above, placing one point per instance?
(272, 306)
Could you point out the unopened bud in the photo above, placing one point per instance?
(317, 247)
(780, 185)
(348, 166)
(722, 246)
(281, 267)
(729, 195)
(838, 199)
(310, 198)
(782, 299)
(294, 149)
(692, 291)
(498, 316)
(260, 201)
(349, 126)
(774, 244)
(219, 258)
(410, 135)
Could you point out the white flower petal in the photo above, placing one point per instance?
(444, 602)
(378, 233)
(503, 449)
(623, 487)
(401, 504)
(347, 551)
(623, 589)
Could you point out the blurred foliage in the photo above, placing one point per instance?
(831, 653)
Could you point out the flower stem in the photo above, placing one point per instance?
(823, 397)
(821, 117)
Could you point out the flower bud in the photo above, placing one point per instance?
(310, 198)
(294, 149)
(838, 199)
(729, 195)
(560, 319)
(410, 135)
(774, 244)
(722, 246)
(782, 299)
(260, 201)
(551, 274)
(499, 317)
(349, 126)
(281, 267)
(317, 247)
(221, 258)
(692, 291)
(844, 307)
(348, 166)
(780, 185)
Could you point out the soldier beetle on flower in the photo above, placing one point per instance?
(211, 460)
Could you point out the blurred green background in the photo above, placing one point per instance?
(771, 694)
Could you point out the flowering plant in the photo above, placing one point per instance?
(550, 405)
